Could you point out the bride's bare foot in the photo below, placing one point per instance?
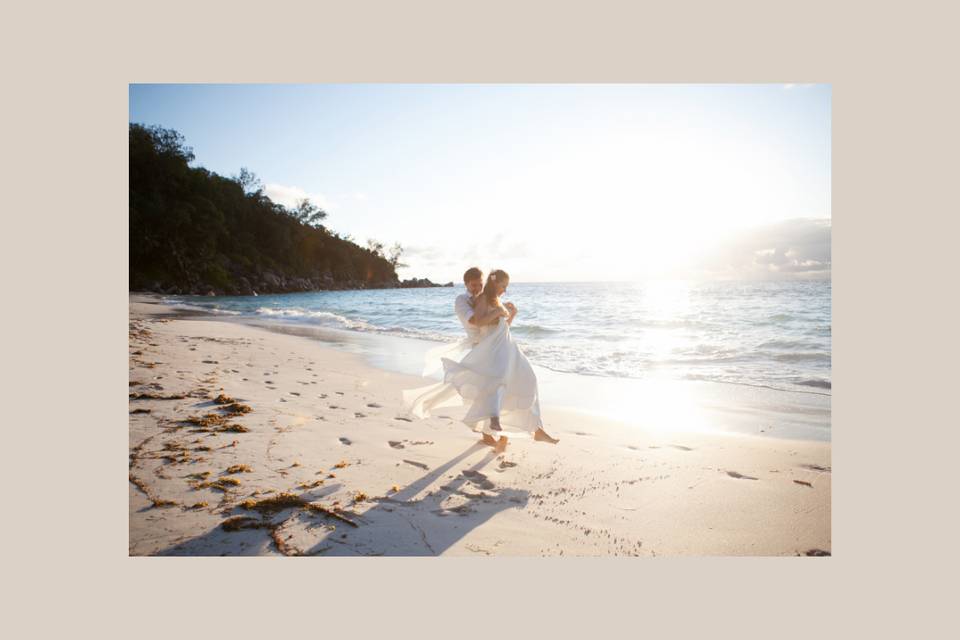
(489, 439)
(543, 436)
(501, 445)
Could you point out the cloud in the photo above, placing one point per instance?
(443, 263)
(426, 253)
(289, 196)
(498, 249)
(799, 248)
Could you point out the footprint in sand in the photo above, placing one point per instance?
(816, 467)
(402, 418)
(294, 393)
(734, 474)
(346, 441)
(374, 405)
(357, 414)
(681, 447)
(395, 444)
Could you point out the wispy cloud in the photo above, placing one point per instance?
(499, 251)
(289, 196)
(799, 248)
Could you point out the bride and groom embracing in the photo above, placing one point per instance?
(494, 379)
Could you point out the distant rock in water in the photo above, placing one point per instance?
(416, 283)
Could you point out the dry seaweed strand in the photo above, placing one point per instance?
(285, 500)
(319, 508)
(154, 500)
(237, 523)
(280, 543)
(274, 504)
(156, 396)
(239, 468)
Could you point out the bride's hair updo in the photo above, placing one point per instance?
(490, 288)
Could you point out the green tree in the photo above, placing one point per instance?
(308, 213)
(393, 257)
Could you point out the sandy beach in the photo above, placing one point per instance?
(245, 441)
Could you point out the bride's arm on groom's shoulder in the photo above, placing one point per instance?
(512, 310)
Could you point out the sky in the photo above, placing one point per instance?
(581, 182)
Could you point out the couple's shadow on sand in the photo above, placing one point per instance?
(405, 523)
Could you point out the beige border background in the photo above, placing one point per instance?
(67, 67)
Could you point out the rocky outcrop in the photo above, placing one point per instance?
(416, 283)
(272, 282)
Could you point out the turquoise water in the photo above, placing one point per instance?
(771, 334)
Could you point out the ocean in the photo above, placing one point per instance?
(764, 334)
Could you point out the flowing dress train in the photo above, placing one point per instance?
(492, 379)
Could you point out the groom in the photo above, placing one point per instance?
(465, 303)
(473, 281)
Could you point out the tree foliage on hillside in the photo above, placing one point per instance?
(194, 231)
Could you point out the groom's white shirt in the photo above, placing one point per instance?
(464, 308)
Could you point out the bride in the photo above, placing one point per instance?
(495, 380)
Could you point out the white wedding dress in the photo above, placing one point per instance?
(493, 379)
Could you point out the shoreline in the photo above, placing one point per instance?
(722, 406)
(427, 487)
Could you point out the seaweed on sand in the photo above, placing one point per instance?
(237, 523)
(223, 483)
(274, 504)
(239, 468)
(214, 422)
(236, 409)
(232, 428)
(156, 396)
